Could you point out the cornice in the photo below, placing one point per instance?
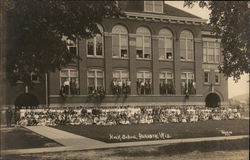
(165, 18)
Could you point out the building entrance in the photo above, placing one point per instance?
(212, 100)
(26, 100)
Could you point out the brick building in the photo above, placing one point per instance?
(155, 55)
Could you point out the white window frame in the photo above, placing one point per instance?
(94, 40)
(71, 43)
(186, 80)
(120, 74)
(186, 46)
(69, 70)
(95, 77)
(35, 81)
(120, 48)
(143, 44)
(154, 11)
(166, 77)
(144, 72)
(166, 37)
(205, 54)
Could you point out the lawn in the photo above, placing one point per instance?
(139, 132)
(219, 150)
(21, 138)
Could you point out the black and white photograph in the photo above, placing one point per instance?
(124, 80)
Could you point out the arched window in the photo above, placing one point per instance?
(187, 45)
(95, 80)
(144, 82)
(143, 43)
(69, 82)
(95, 45)
(166, 83)
(165, 44)
(119, 42)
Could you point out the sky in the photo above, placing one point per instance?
(234, 89)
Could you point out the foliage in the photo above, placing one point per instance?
(36, 28)
(230, 20)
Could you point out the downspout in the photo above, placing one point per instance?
(46, 90)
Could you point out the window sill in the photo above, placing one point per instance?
(166, 60)
(187, 61)
(95, 57)
(120, 58)
(206, 83)
(218, 63)
(143, 59)
(36, 82)
(216, 84)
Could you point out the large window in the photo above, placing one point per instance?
(95, 45)
(186, 46)
(211, 52)
(121, 83)
(95, 80)
(166, 83)
(119, 42)
(71, 45)
(69, 82)
(165, 44)
(143, 43)
(153, 6)
(144, 82)
(187, 83)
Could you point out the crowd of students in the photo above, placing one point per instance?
(125, 115)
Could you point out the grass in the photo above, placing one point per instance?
(21, 138)
(219, 150)
(176, 130)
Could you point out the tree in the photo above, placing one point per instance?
(230, 20)
(36, 29)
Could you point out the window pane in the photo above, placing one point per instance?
(90, 45)
(99, 82)
(162, 54)
(148, 75)
(147, 41)
(139, 42)
(190, 44)
(161, 43)
(91, 82)
(162, 75)
(183, 76)
(148, 6)
(98, 45)
(190, 75)
(64, 73)
(116, 74)
(140, 75)
(125, 75)
(190, 54)
(73, 73)
(99, 74)
(158, 6)
(124, 41)
(115, 45)
(91, 73)
(169, 75)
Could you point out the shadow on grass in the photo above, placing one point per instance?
(182, 148)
